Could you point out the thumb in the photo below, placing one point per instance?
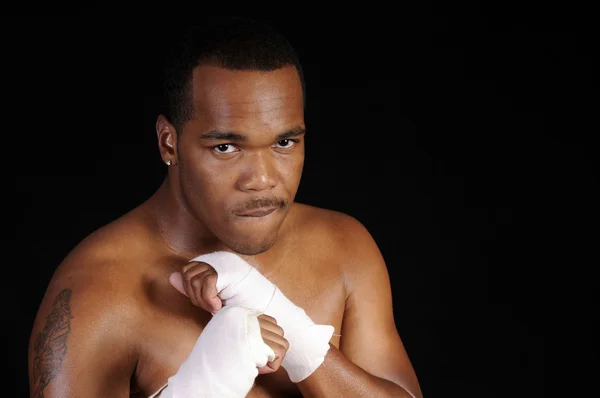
(177, 282)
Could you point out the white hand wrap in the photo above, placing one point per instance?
(225, 360)
(240, 284)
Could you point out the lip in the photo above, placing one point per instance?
(262, 212)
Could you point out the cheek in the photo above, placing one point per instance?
(298, 164)
(206, 185)
(215, 187)
(292, 170)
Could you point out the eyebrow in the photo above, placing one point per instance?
(233, 136)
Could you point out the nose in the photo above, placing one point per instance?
(259, 173)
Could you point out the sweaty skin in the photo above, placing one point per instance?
(111, 324)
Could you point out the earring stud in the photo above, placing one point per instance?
(168, 162)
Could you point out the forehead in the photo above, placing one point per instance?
(226, 97)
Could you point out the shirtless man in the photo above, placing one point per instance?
(113, 324)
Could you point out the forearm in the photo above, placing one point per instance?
(338, 377)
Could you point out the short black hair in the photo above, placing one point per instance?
(235, 43)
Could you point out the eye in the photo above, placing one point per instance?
(286, 144)
(224, 148)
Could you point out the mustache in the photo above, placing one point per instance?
(258, 203)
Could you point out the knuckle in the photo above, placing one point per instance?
(269, 318)
(186, 276)
(281, 347)
(189, 275)
(206, 296)
(195, 268)
(190, 267)
(276, 364)
(211, 277)
(196, 282)
(278, 330)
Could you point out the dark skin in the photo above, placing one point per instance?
(111, 323)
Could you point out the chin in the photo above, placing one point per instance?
(250, 250)
(252, 246)
(252, 236)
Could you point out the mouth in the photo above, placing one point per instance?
(261, 212)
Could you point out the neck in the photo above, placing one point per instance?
(180, 230)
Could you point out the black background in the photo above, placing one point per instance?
(461, 136)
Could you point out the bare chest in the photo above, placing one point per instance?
(173, 324)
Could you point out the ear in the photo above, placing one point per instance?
(167, 139)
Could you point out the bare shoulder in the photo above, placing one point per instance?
(103, 263)
(336, 227)
(370, 338)
(338, 233)
(87, 314)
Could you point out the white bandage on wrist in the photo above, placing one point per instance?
(225, 359)
(240, 284)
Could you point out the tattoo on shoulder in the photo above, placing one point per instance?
(51, 343)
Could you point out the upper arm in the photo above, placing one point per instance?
(78, 345)
(369, 335)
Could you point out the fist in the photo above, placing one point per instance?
(198, 281)
(272, 335)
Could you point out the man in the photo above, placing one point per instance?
(114, 321)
